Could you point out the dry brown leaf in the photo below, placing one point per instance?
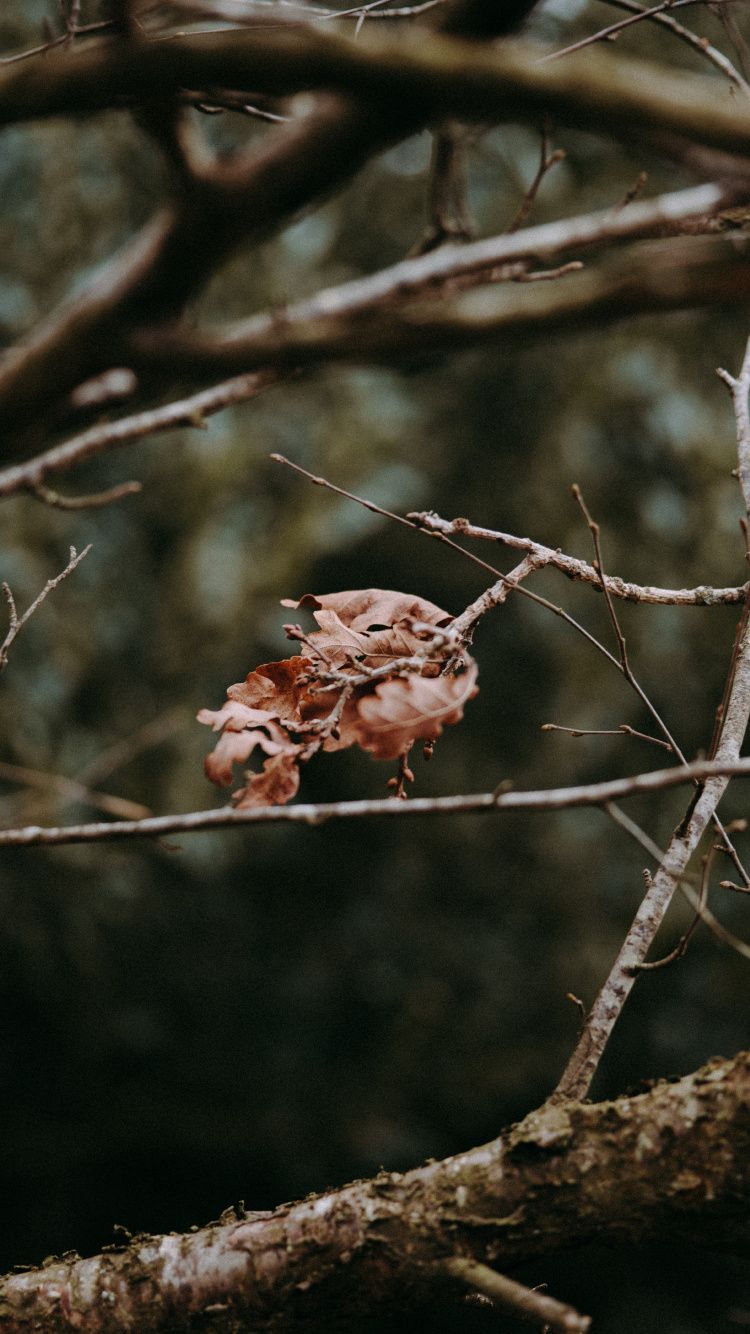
(234, 748)
(272, 686)
(417, 708)
(291, 709)
(367, 625)
(276, 785)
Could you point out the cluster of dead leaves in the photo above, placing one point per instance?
(382, 671)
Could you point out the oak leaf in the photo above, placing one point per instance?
(276, 785)
(368, 625)
(240, 737)
(273, 686)
(377, 673)
(411, 709)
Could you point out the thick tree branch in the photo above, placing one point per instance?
(646, 278)
(698, 207)
(672, 1164)
(432, 74)
(246, 198)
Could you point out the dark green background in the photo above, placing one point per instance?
(260, 1014)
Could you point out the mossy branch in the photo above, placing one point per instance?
(673, 1163)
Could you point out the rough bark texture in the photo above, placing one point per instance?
(673, 1162)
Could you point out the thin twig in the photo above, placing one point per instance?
(528, 1303)
(122, 752)
(608, 34)
(726, 16)
(684, 941)
(95, 501)
(583, 1063)
(72, 21)
(633, 192)
(715, 927)
(625, 667)
(740, 388)
(599, 567)
(57, 41)
(545, 162)
(17, 623)
(74, 791)
(464, 624)
(606, 731)
(700, 44)
(190, 411)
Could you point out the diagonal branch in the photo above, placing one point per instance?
(112, 435)
(606, 1010)
(18, 622)
(699, 44)
(673, 1163)
(646, 278)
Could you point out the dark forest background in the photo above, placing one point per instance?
(262, 1014)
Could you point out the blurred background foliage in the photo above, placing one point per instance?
(260, 1014)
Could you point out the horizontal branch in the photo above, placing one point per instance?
(663, 215)
(545, 799)
(646, 278)
(671, 1164)
(579, 570)
(441, 75)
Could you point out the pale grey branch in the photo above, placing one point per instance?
(703, 596)
(545, 799)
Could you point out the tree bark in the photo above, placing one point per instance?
(670, 1163)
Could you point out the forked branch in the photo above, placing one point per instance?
(18, 622)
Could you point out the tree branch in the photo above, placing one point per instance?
(643, 279)
(435, 75)
(673, 1163)
(18, 622)
(579, 570)
(112, 435)
(545, 799)
(606, 1010)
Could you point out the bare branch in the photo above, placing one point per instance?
(17, 623)
(448, 77)
(685, 272)
(700, 44)
(733, 32)
(528, 1303)
(576, 569)
(715, 927)
(656, 12)
(740, 388)
(551, 799)
(608, 1005)
(95, 501)
(637, 1170)
(606, 731)
(112, 435)
(546, 160)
